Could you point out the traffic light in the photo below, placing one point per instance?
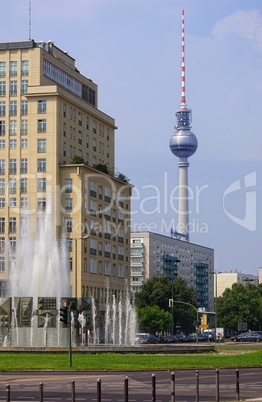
(64, 315)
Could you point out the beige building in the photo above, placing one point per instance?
(225, 280)
(154, 254)
(49, 117)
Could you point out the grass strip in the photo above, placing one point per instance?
(113, 361)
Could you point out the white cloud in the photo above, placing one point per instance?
(245, 24)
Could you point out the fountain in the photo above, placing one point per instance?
(39, 285)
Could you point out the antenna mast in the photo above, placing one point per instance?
(183, 68)
(29, 19)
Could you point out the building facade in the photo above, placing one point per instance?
(225, 280)
(49, 118)
(154, 254)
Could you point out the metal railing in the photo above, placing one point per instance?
(154, 396)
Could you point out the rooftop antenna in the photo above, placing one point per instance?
(29, 19)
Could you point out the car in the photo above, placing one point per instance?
(171, 339)
(146, 338)
(247, 337)
(190, 338)
(205, 337)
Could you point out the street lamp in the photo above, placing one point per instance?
(174, 265)
(215, 273)
(191, 305)
(76, 240)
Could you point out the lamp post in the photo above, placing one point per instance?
(215, 273)
(76, 265)
(174, 265)
(191, 305)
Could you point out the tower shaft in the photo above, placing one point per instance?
(183, 194)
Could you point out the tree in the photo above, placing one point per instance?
(153, 319)
(77, 160)
(102, 168)
(241, 303)
(157, 292)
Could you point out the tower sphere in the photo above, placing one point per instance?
(183, 143)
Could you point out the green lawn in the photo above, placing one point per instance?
(113, 361)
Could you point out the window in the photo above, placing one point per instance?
(94, 144)
(80, 118)
(41, 204)
(24, 67)
(2, 68)
(2, 225)
(87, 122)
(64, 129)
(2, 108)
(80, 137)
(2, 166)
(68, 204)
(41, 185)
(12, 225)
(13, 127)
(12, 166)
(2, 128)
(69, 244)
(68, 185)
(12, 144)
(24, 107)
(13, 68)
(41, 146)
(68, 224)
(24, 143)
(13, 88)
(93, 188)
(107, 268)
(23, 186)
(12, 243)
(107, 194)
(94, 126)
(23, 202)
(2, 186)
(2, 88)
(2, 245)
(23, 165)
(2, 144)
(13, 108)
(2, 203)
(23, 127)
(2, 264)
(41, 165)
(64, 148)
(41, 126)
(93, 266)
(12, 186)
(24, 86)
(93, 207)
(42, 106)
(64, 109)
(12, 202)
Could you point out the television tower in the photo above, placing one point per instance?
(183, 144)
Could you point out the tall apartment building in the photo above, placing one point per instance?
(154, 254)
(225, 280)
(48, 115)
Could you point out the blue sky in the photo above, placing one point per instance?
(132, 50)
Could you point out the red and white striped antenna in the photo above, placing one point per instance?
(183, 68)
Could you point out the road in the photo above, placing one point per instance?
(57, 386)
